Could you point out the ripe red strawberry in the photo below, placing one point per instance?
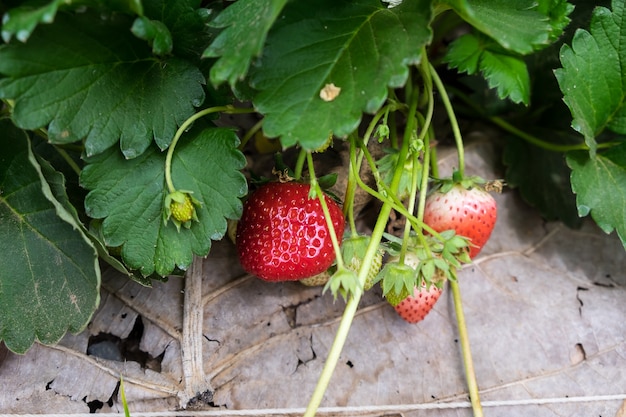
(469, 212)
(415, 307)
(282, 234)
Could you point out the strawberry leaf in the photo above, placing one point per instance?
(155, 32)
(600, 186)
(50, 278)
(21, 21)
(592, 78)
(517, 25)
(316, 48)
(247, 23)
(129, 196)
(88, 77)
(504, 72)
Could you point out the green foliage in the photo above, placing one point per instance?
(506, 73)
(102, 85)
(600, 187)
(22, 21)
(517, 25)
(359, 46)
(592, 79)
(129, 196)
(247, 23)
(105, 86)
(49, 281)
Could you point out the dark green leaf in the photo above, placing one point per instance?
(360, 47)
(186, 24)
(592, 79)
(516, 25)
(247, 23)
(600, 186)
(129, 195)
(22, 21)
(558, 11)
(50, 278)
(543, 180)
(155, 32)
(90, 78)
(503, 71)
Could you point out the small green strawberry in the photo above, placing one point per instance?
(180, 207)
(395, 298)
(353, 251)
(397, 279)
(317, 280)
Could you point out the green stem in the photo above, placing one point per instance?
(434, 167)
(533, 140)
(348, 208)
(425, 136)
(503, 124)
(452, 117)
(423, 186)
(68, 160)
(396, 205)
(411, 206)
(302, 156)
(329, 221)
(170, 151)
(353, 301)
(246, 138)
(468, 363)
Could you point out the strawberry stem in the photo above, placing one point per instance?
(425, 137)
(468, 363)
(183, 127)
(329, 221)
(453, 121)
(297, 172)
(423, 186)
(470, 374)
(355, 297)
(533, 140)
(348, 205)
(251, 132)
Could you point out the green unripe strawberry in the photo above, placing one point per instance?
(317, 280)
(394, 278)
(183, 212)
(395, 298)
(353, 251)
(180, 207)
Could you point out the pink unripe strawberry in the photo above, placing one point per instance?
(415, 307)
(469, 212)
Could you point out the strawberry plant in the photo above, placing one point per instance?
(115, 149)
